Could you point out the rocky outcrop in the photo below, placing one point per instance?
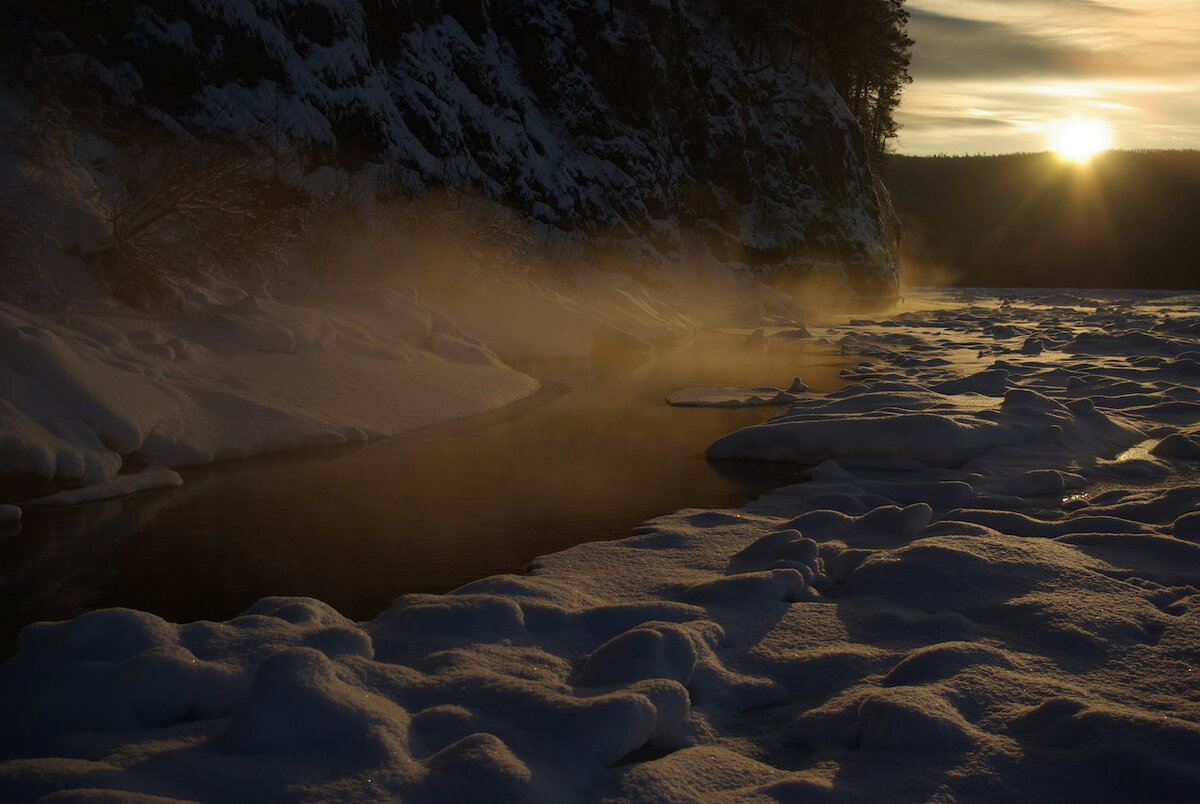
(664, 127)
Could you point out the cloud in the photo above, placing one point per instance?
(1076, 5)
(959, 47)
(1065, 38)
(992, 75)
(959, 122)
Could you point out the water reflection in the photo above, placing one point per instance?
(591, 456)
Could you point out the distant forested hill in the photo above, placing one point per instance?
(1126, 219)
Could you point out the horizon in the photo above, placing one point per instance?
(1000, 77)
(1044, 152)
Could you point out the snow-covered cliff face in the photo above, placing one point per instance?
(665, 126)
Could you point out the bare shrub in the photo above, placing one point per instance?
(16, 263)
(442, 237)
(13, 228)
(340, 237)
(181, 213)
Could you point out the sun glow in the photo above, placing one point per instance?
(1080, 139)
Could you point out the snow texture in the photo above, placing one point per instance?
(986, 592)
(92, 390)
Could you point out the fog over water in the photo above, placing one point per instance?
(590, 457)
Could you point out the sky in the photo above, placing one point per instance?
(995, 76)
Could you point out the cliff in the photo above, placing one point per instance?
(670, 131)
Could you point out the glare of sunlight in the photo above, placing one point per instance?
(1080, 139)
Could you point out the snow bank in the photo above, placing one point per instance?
(894, 629)
(119, 486)
(89, 390)
(884, 418)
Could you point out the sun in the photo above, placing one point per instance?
(1080, 139)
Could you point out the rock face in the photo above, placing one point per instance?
(669, 127)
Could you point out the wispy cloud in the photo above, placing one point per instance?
(992, 75)
(959, 47)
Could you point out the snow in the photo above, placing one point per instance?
(968, 600)
(88, 390)
(891, 416)
(724, 397)
(121, 485)
(91, 389)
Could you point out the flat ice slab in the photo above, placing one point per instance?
(725, 397)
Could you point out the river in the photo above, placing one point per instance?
(592, 455)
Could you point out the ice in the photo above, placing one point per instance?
(730, 397)
(921, 425)
(725, 397)
(119, 486)
(996, 615)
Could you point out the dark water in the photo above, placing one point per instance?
(590, 457)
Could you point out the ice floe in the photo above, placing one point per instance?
(737, 397)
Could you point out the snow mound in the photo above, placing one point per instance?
(883, 419)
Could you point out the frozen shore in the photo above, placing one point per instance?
(986, 592)
(88, 393)
(101, 400)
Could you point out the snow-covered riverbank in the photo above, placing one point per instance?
(87, 392)
(95, 393)
(987, 592)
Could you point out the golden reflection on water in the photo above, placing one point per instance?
(591, 456)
